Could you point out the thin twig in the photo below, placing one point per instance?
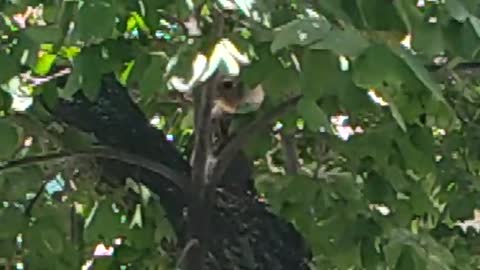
(103, 152)
(228, 152)
(185, 251)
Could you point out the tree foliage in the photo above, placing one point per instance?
(390, 196)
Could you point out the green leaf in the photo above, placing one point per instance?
(376, 65)
(457, 10)
(348, 42)
(406, 261)
(125, 254)
(381, 16)
(13, 222)
(103, 263)
(475, 22)
(66, 14)
(300, 32)
(39, 35)
(314, 117)
(397, 116)
(8, 66)
(321, 74)
(152, 80)
(421, 73)
(72, 86)
(401, 240)
(427, 38)
(20, 181)
(44, 64)
(439, 256)
(7, 248)
(5, 101)
(96, 20)
(104, 224)
(415, 159)
(75, 139)
(49, 94)
(279, 82)
(90, 65)
(52, 239)
(9, 139)
(369, 256)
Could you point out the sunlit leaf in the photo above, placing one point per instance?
(300, 32)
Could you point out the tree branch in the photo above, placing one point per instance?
(107, 153)
(234, 145)
(29, 208)
(465, 70)
(289, 152)
(199, 195)
(203, 102)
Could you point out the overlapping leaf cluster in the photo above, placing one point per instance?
(389, 197)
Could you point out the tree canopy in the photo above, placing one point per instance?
(359, 150)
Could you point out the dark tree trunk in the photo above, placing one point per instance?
(245, 234)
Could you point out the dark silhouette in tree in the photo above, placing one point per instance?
(243, 234)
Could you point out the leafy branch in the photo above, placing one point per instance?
(102, 152)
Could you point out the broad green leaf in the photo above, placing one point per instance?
(370, 257)
(125, 254)
(406, 261)
(348, 42)
(397, 116)
(7, 248)
(376, 65)
(96, 20)
(279, 82)
(156, 216)
(5, 101)
(9, 139)
(381, 16)
(321, 74)
(44, 64)
(300, 32)
(66, 14)
(428, 39)
(49, 93)
(421, 73)
(103, 263)
(13, 222)
(457, 10)
(397, 178)
(415, 159)
(137, 71)
(475, 22)
(52, 239)
(104, 223)
(439, 256)
(42, 34)
(75, 139)
(399, 240)
(314, 117)
(9, 67)
(90, 65)
(72, 86)
(153, 80)
(20, 181)
(462, 39)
